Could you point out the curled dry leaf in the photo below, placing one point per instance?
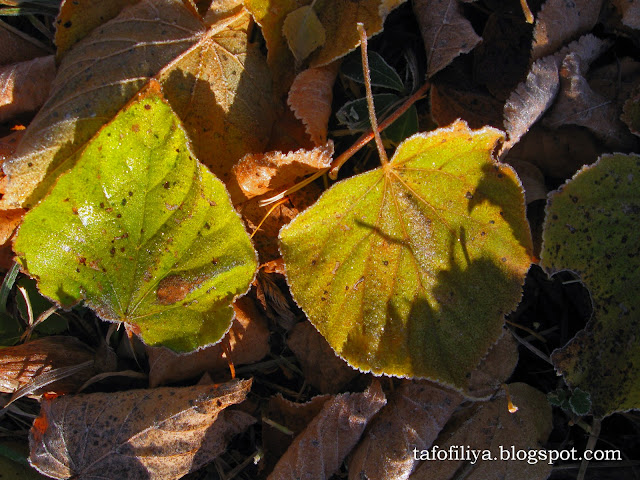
(413, 418)
(161, 433)
(24, 86)
(559, 21)
(578, 104)
(322, 368)
(320, 449)
(248, 343)
(23, 363)
(310, 99)
(290, 415)
(445, 32)
(489, 426)
(259, 173)
(416, 413)
(530, 100)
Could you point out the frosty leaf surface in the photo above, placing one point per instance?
(408, 269)
(591, 229)
(143, 232)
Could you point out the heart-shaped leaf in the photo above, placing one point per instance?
(409, 269)
(143, 232)
(589, 229)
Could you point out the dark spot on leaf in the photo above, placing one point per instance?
(504, 259)
(122, 249)
(492, 222)
(554, 216)
(74, 210)
(67, 24)
(573, 199)
(385, 262)
(29, 164)
(147, 107)
(124, 202)
(624, 239)
(112, 251)
(119, 215)
(135, 128)
(131, 194)
(172, 289)
(101, 204)
(166, 185)
(468, 195)
(571, 229)
(207, 226)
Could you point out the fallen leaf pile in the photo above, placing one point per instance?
(212, 273)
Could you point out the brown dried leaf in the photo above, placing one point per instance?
(631, 112)
(417, 412)
(532, 180)
(221, 90)
(490, 426)
(558, 152)
(9, 221)
(293, 416)
(91, 86)
(17, 46)
(413, 418)
(530, 100)
(24, 86)
(21, 364)
(630, 10)
(259, 173)
(248, 343)
(445, 32)
(559, 21)
(478, 109)
(265, 239)
(502, 58)
(321, 448)
(578, 104)
(322, 368)
(76, 20)
(495, 368)
(310, 99)
(161, 433)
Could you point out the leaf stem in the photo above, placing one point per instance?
(367, 85)
(366, 138)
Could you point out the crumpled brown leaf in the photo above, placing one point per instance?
(445, 32)
(161, 433)
(413, 418)
(560, 21)
(530, 100)
(322, 368)
(23, 363)
(290, 415)
(416, 413)
(490, 426)
(310, 99)
(578, 104)
(259, 173)
(248, 343)
(24, 86)
(320, 449)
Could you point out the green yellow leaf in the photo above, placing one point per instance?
(143, 232)
(589, 229)
(303, 31)
(408, 269)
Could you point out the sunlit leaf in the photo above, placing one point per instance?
(143, 232)
(590, 228)
(409, 269)
(303, 31)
